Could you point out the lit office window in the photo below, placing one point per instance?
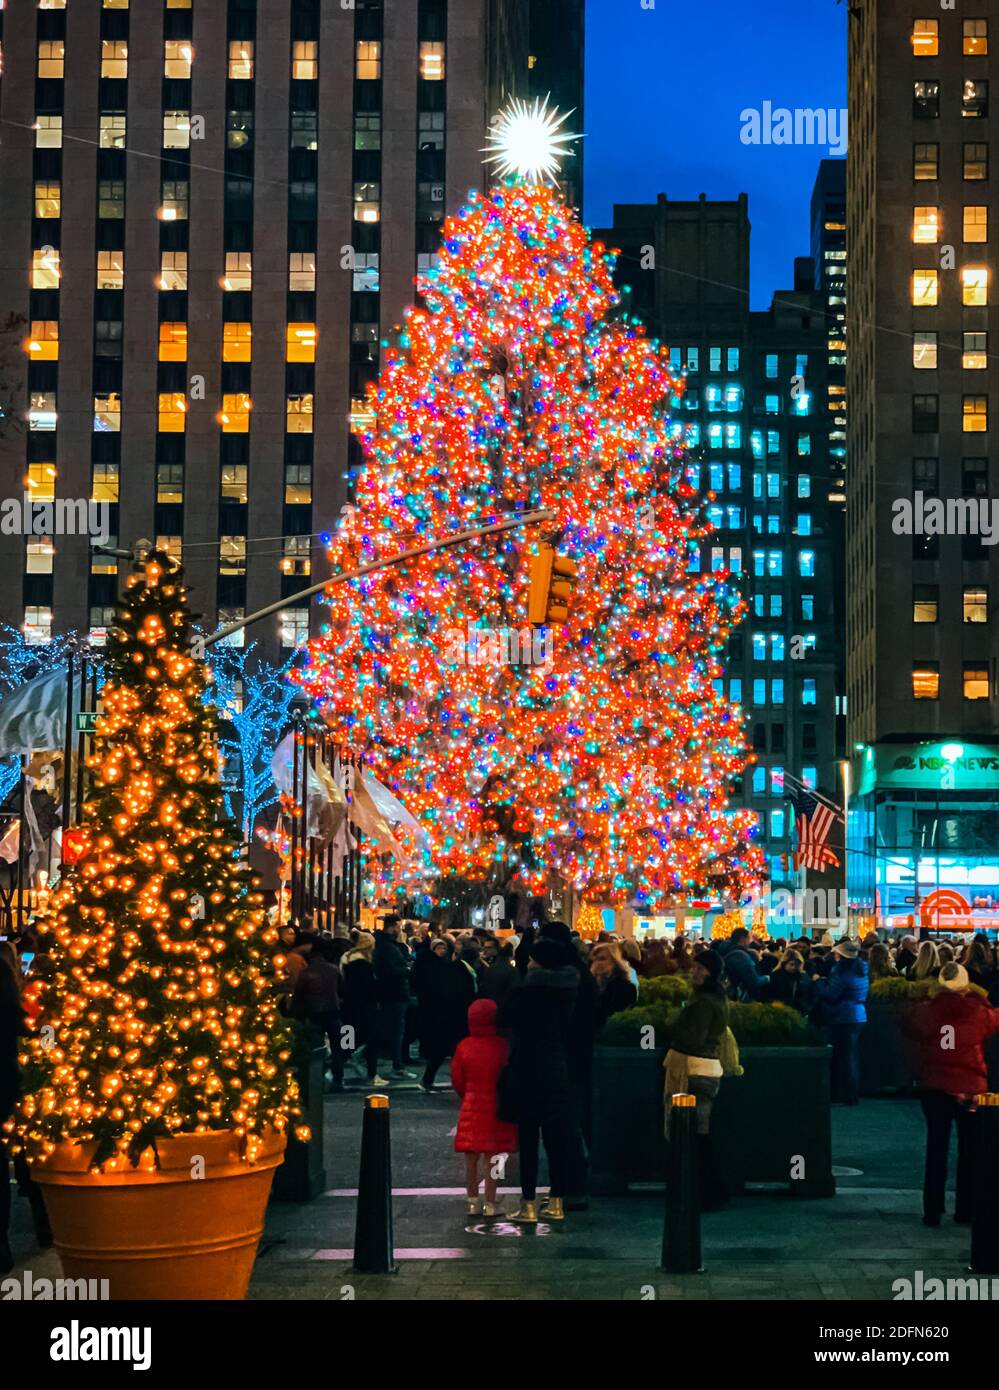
(975, 99)
(176, 130)
(925, 603)
(926, 680)
(809, 691)
(233, 482)
(974, 356)
(234, 417)
(926, 225)
(238, 271)
(104, 483)
(432, 62)
(172, 413)
(107, 413)
(173, 270)
(976, 37)
(297, 484)
(169, 484)
(924, 351)
(51, 58)
(301, 342)
(299, 413)
(925, 287)
(975, 414)
(925, 162)
(46, 269)
(177, 58)
(975, 605)
(43, 341)
(112, 131)
(367, 202)
(975, 285)
(925, 38)
(293, 627)
(232, 555)
(302, 272)
(171, 545)
(806, 564)
(237, 342)
(241, 59)
(48, 133)
(976, 161)
(976, 681)
(368, 61)
(172, 342)
(48, 200)
(114, 58)
(39, 555)
(40, 481)
(297, 556)
(305, 60)
(976, 223)
(37, 625)
(176, 196)
(110, 270)
(111, 199)
(925, 101)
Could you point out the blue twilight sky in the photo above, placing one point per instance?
(664, 91)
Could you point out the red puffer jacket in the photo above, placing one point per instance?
(951, 1028)
(475, 1067)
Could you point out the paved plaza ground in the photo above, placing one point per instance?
(766, 1245)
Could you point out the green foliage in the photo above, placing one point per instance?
(664, 989)
(896, 989)
(754, 1025)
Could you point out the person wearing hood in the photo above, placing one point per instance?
(448, 989)
(842, 996)
(693, 1065)
(741, 973)
(950, 1077)
(484, 1139)
(538, 1091)
(360, 1003)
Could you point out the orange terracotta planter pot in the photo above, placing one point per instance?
(161, 1233)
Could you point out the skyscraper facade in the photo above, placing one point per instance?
(921, 575)
(213, 214)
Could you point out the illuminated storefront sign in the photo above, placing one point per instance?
(946, 766)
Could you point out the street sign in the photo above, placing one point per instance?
(86, 721)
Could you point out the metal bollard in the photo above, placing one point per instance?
(985, 1192)
(682, 1225)
(374, 1250)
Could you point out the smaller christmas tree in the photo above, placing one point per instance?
(158, 1014)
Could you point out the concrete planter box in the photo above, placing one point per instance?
(773, 1118)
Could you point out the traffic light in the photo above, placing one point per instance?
(552, 580)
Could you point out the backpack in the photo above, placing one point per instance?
(728, 1055)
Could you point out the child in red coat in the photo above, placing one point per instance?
(482, 1137)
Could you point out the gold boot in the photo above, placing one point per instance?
(526, 1214)
(553, 1210)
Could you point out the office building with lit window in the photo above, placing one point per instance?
(212, 214)
(921, 637)
(753, 413)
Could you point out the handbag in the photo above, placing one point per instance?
(728, 1055)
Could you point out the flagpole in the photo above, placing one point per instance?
(845, 770)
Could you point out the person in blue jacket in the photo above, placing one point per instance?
(842, 996)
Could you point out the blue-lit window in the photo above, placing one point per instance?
(735, 690)
(693, 558)
(717, 559)
(713, 398)
(733, 398)
(806, 564)
(758, 605)
(809, 777)
(691, 399)
(756, 444)
(801, 364)
(692, 436)
(803, 405)
(804, 445)
(693, 472)
(808, 641)
(759, 692)
(808, 607)
(772, 366)
(759, 646)
(804, 523)
(776, 605)
(759, 563)
(773, 441)
(773, 405)
(732, 359)
(715, 516)
(716, 477)
(718, 686)
(759, 781)
(758, 522)
(808, 692)
(733, 436)
(777, 824)
(757, 484)
(735, 477)
(776, 781)
(714, 359)
(693, 359)
(804, 485)
(674, 360)
(735, 559)
(777, 646)
(777, 691)
(734, 515)
(773, 525)
(773, 484)
(714, 436)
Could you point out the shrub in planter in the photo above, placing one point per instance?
(754, 1025)
(664, 989)
(157, 1083)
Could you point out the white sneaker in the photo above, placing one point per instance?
(378, 1082)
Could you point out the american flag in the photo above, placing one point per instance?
(814, 817)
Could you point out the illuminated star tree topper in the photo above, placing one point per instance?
(526, 141)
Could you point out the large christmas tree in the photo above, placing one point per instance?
(159, 1012)
(603, 750)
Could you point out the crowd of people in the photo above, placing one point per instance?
(519, 1013)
